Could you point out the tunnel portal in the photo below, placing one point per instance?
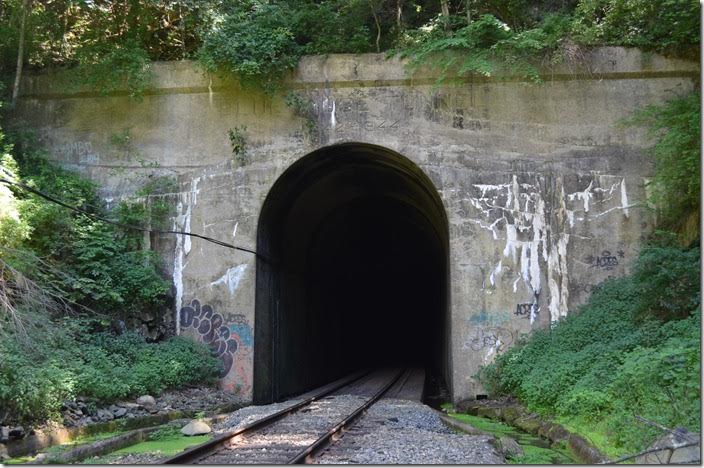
(353, 273)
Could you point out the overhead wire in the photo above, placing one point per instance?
(121, 225)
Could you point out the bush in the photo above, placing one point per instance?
(675, 129)
(615, 357)
(662, 25)
(92, 263)
(102, 367)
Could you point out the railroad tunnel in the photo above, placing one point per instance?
(353, 271)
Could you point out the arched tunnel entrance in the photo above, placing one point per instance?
(355, 271)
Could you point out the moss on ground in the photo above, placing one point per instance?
(537, 451)
(57, 449)
(166, 446)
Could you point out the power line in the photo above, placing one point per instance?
(124, 226)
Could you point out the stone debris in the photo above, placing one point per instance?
(510, 447)
(147, 401)
(248, 414)
(195, 428)
(205, 399)
(392, 432)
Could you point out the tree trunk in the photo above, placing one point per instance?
(468, 7)
(445, 11)
(20, 52)
(378, 25)
(399, 13)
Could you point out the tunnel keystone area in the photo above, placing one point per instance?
(398, 222)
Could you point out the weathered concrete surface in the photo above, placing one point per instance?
(542, 191)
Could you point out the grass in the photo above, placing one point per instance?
(167, 446)
(537, 451)
(57, 449)
(594, 433)
(20, 460)
(166, 443)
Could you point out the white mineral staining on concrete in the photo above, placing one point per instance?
(558, 278)
(624, 197)
(584, 195)
(526, 226)
(534, 312)
(333, 121)
(182, 222)
(231, 278)
(495, 272)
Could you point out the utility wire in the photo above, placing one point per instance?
(124, 226)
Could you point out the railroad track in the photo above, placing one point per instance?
(296, 434)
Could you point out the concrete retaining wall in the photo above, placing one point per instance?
(543, 192)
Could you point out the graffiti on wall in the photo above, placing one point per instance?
(605, 261)
(529, 310)
(230, 338)
(495, 339)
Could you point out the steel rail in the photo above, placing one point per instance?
(307, 454)
(201, 451)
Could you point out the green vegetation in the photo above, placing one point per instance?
(238, 141)
(536, 450)
(86, 261)
(64, 278)
(110, 44)
(633, 349)
(165, 447)
(675, 189)
(164, 442)
(100, 366)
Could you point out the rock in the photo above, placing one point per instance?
(3, 453)
(105, 415)
(85, 421)
(119, 412)
(690, 454)
(510, 447)
(510, 413)
(529, 423)
(147, 401)
(491, 413)
(4, 434)
(195, 427)
(17, 432)
(464, 405)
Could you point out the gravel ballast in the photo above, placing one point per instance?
(408, 432)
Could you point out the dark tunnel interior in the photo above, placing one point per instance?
(355, 271)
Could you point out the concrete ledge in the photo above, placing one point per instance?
(42, 440)
(514, 414)
(366, 70)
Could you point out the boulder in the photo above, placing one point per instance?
(510, 447)
(3, 453)
(4, 434)
(195, 427)
(147, 401)
(105, 415)
(17, 432)
(529, 423)
(119, 412)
